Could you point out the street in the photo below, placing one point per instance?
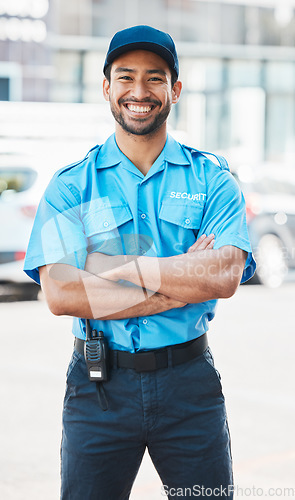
(252, 338)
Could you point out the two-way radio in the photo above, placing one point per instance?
(96, 355)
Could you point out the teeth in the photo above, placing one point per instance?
(139, 109)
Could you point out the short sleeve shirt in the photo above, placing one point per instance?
(105, 204)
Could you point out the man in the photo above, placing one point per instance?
(142, 237)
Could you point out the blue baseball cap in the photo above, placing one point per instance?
(143, 38)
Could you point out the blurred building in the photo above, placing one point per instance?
(237, 63)
(26, 71)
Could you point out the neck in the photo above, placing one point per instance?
(142, 150)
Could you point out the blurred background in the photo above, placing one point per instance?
(237, 65)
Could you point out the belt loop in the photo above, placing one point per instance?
(115, 359)
(169, 354)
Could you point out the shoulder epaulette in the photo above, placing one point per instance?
(75, 164)
(222, 163)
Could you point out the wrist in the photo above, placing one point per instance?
(124, 268)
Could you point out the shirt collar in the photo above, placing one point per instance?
(110, 154)
(174, 153)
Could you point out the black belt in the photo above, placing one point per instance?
(154, 360)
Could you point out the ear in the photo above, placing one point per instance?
(176, 91)
(106, 89)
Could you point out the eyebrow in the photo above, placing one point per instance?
(149, 71)
(122, 70)
(157, 71)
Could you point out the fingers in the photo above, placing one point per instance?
(211, 244)
(177, 304)
(203, 243)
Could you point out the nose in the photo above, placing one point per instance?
(140, 91)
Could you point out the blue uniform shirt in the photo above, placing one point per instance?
(104, 203)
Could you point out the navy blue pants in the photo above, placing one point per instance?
(178, 413)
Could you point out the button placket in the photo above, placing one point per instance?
(142, 215)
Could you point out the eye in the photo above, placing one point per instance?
(125, 77)
(155, 79)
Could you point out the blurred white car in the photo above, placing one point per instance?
(21, 187)
(270, 207)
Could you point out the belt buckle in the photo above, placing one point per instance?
(145, 362)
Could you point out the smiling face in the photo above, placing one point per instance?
(140, 92)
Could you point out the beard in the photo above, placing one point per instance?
(138, 127)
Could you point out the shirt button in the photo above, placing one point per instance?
(145, 321)
(105, 224)
(143, 216)
(143, 252)
(187, 221)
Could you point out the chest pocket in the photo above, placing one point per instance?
(180, 224)
(186, 216)
(104, 228)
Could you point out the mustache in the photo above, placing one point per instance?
(136, 101)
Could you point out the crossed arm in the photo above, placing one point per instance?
(160, 283)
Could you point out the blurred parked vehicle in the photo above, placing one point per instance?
(37, 139)
(21, 187)
(270, 204)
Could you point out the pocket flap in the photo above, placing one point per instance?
(106, 219)
(189, 217)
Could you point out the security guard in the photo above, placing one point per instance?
(138, 241)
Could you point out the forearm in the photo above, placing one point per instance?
(153, 304)
(73, 292)
(191, 277)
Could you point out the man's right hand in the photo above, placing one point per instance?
(165, 303)
(203, 243)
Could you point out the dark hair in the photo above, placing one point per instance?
(108, 72)
(174, 77)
